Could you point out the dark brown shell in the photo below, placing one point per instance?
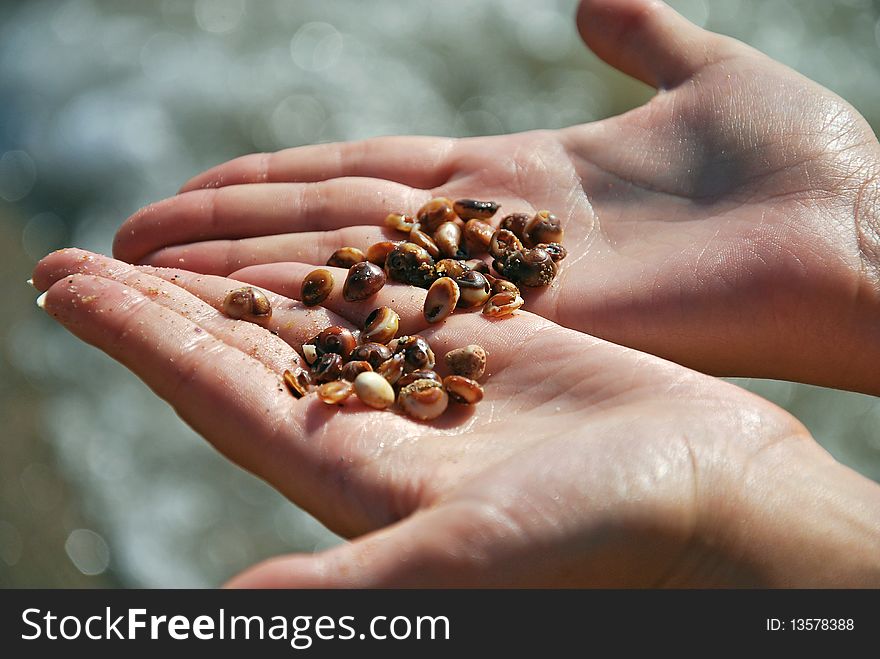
(364, 280)
(336, 339)
(316, 286)
(410, 264)
(374, 353)
(530, 267)
(327, 368)
(417, 351)
(468, 209)
(556, 251)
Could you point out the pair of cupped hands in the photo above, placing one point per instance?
(730, 226)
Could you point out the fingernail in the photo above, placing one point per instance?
(30, 281)
(41, 301)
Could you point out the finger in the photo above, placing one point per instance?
(222, 392)
(648, 40)
(420, 162)
(291, 320)
(221, 257)
(270, 350)
(286, 279)
(435, 547)
(244, 211)
(302, 447)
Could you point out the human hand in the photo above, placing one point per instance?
(586, 464)
(730, 224)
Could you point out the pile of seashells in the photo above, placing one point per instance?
(444, 237)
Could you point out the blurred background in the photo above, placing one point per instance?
(107, 105)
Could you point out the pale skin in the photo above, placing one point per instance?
(722, 225)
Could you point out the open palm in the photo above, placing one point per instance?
(712, 226)
(591, 463)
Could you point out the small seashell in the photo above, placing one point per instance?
(434, 213)
(556, 251)
(447, 237)
(478, 235)
(374, 353)
(423, 240)
(468, 209)
(316, 286)
(441, 300)
(400, 222)
(502, 304)
(335, 392)
(450, 268)
(417, 351)
(327, 368)
(364, 280)
(516, 224)
(378, 252)
(373, 390)
(247, 302)
(391, 369)
(419, 374)
(335, 339)
(468, 362)
(297, 382)
(502, 285)
(474, 289)
(503, 243)
(545, 227)
(410, 264)
(463, 390)
(530, 267)
(354, 368)
(381, 325)
(423, 399)
(345, 257)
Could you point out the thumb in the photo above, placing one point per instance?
(648, 40)
(434, 547)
